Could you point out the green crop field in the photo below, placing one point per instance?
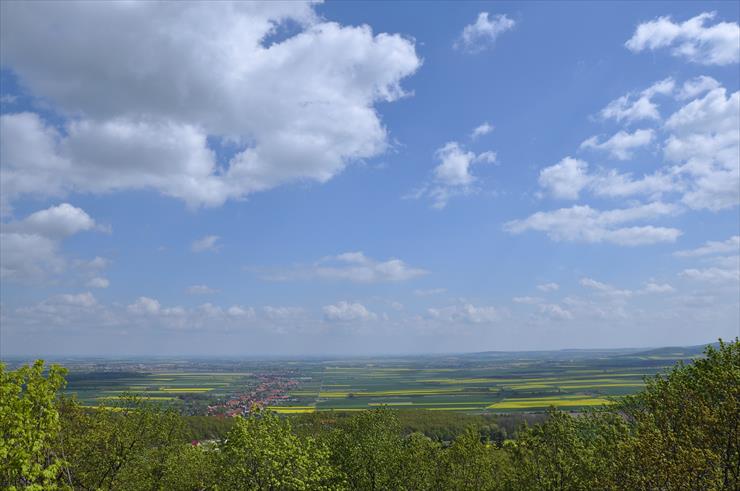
(478, 383)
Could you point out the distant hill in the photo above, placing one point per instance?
(663, 353)
(673, 352)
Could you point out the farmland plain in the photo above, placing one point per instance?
(491, 382)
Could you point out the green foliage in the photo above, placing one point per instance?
(207, 427)
(125, 447)
(566, 452)
(29, 427)
(686, 426)
(681, 433)
(419, 463)
(471, 464)
(261, 452)
(367, 449)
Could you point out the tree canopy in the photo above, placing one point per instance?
(680, 433)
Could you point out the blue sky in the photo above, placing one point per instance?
(379, 177)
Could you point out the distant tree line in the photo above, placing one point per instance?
(682, 432)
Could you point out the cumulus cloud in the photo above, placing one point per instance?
(207, 243)
(347, 312)
(283, 313)
(613, 184)
(57, 222)
(713, 274)
(527, 300)
(566, 179)
(569, 177)
(207, 315)
(78, 299)
(731, 245)
(465, 313)
(701, 171)
(452, 176)
(201, 290)
(638, 106)
(455, 162)
(429, 292)
(652, 287)
(555, 312)
(351, 266)
(82, 311)
(548, 287)
(697, 86)
(693, 40)
(145, 305)
(482, 34)
(621, 145)
(705, 142)
(606, 290)
(282, 106)
(29, 248)
(98, 282)
(481, 130)
(585, 224)
(239, 311)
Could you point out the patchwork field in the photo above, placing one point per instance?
(170, 388)
(480, 383)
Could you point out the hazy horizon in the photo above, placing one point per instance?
(289, 179)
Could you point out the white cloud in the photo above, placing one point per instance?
(718, 44)
(145, 305)
(548, 287)
(565, 179)
(585, 224)
(556, 312)
(201, 290)
(347, 312)
(483, 33)
(351, 266)
(705, 141)
(239, 311)
(605, 289)
(726, 262)
(621, 145)
(282, 107)
(613, 184)
(527, 300)
(452, 176)
(697, 86)
(466, 313)
(207, 243)
(398, 306)
(429, 292)
(634, 107)
(713, 247)
(57, 222)
(98, 282)
(78, 299)
(97, 263)
(712, 275)
(569, 177)
(25, 257)
(454, 166)
(29, 248)
(651, 287)
(283, 313)
(481, 130)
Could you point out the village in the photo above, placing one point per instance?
(270, 390)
